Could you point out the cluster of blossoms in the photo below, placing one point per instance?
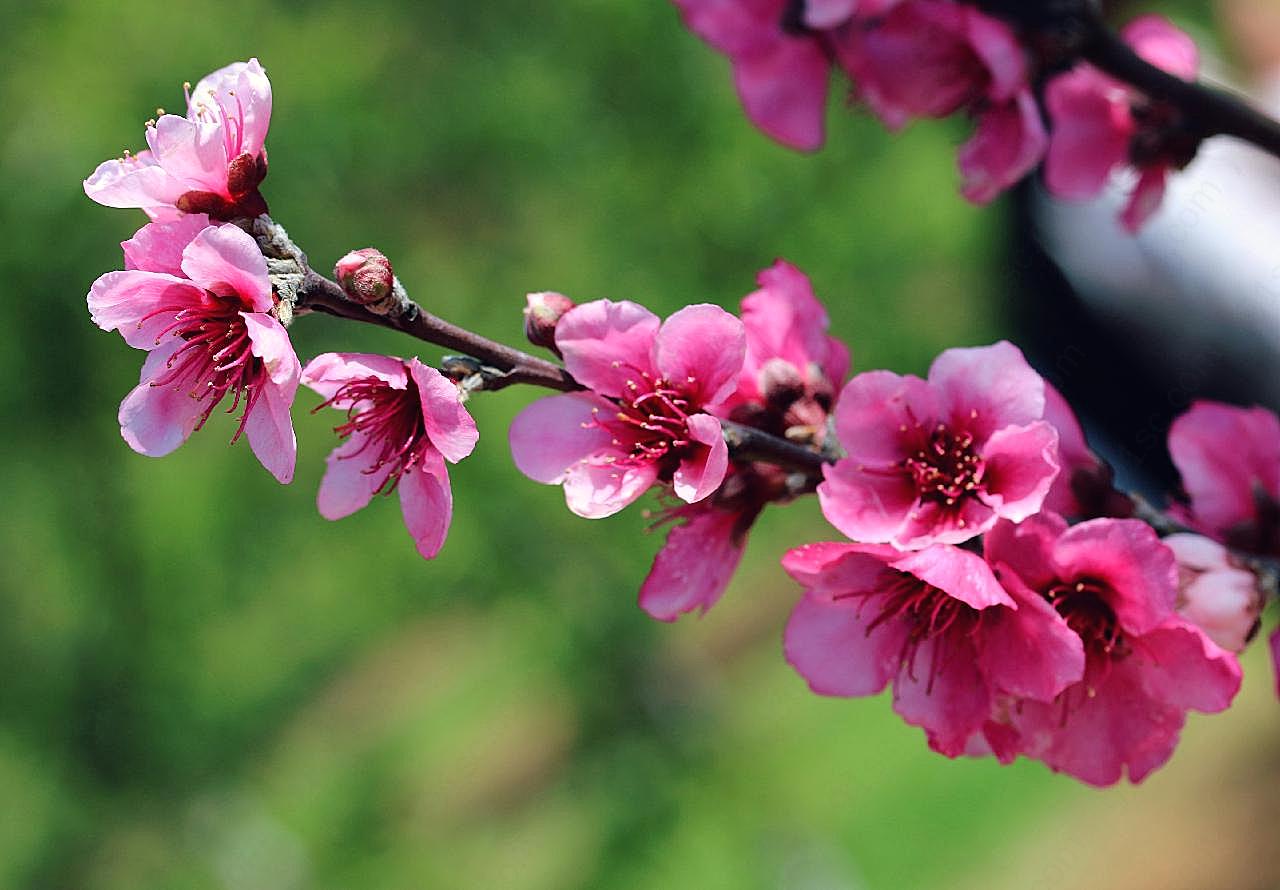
(197, 296)
(994, 576)
(908, 59)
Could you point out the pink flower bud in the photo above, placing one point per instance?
(1213, 593)
(541, 315)
(365, 275)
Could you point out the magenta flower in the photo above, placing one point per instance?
(211, 161)
(404, 420)
(1115, 586)
(1214, 593)
(781, 75)
(936, 624)
(1101, 125)
(197, 297)
(1229, 459)
(786, 386)
(941, 461)
(645, 417)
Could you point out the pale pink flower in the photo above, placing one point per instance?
(404, 420)
(781, 76)
(1114, 584)
(1214, 593)
(197, 297)
(644, 419)
(211, 161)
(1100, 125)
(786, 386)
(940, 461)
(1229, 458)
(935, 623)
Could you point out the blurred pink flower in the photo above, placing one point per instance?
(645, 417)
(940, 461)
(197, 297)
(781, 77)
(211, 161)
(935, 623)
(1229, 458)
(1115, 585)
(404, 420)
(1100, 125)
(1214, 593)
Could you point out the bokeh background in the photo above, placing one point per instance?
(203, 684)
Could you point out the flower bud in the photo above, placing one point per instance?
(541, 314)
(1213, 593)
(365, 275)
(780, 383)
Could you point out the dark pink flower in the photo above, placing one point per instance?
(786, 386)
(1008, 144)
(1229, 459)
(645, 417)
(1115, 586)
(781, 76)
(197, 297)
(932, 58)
(935, 623)
(404, 420)
(1214, 593)
(940, 461)
(211, 161)
(1101, 125)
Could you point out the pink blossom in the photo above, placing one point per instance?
(826, 14)
(644, 418)
(1101, 125)
(786, 386)
(1008, 144)
(1115, 586)
(197, 297)
(1229, 459)
(211, 161)
(404, 420)
(940, 461)
(935, 623)
(1214, 593)
(781, 77)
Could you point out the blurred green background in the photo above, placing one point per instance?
(206, 685)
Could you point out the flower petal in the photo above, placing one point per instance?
(158, 246)
(874, 411)
(958, 573)
(225, 256)
(594, 490)
(1021, 465)
(944, 693)
(866, 506)
(986, 388)
(155, 420)
(828, 643)
(348, 485)
(701, 349)
(694, 566)
(135, 181)
(426, 501)
(122, 301)
(555, 433)
(1029, 652)
(700, 475)
(606, 344)
(330, 371)
(449, 425)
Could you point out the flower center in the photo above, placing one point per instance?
(389, 419)
(930, 614)
(653, 417)
(945, 467)
(1086, 611)
(215, 359)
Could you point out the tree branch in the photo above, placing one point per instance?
(1066, 30)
